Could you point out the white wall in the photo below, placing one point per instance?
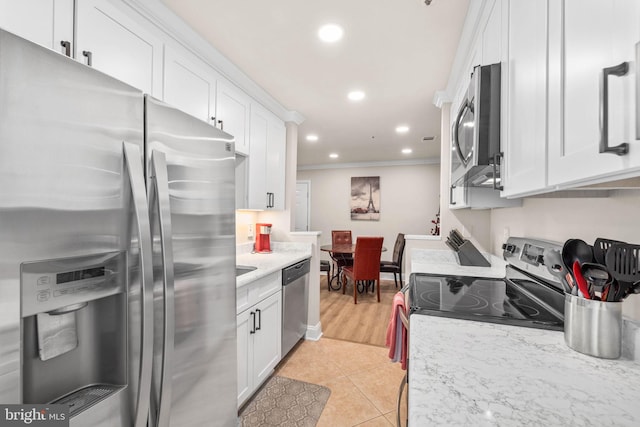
(409, 198)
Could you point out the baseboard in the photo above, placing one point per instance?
(314, 332)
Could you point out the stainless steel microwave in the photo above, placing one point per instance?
(475, 156)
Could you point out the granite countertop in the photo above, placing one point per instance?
(469, 373)
(436, 261)
(283, 255)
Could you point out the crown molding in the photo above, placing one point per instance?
(171, 25)
(414, 162)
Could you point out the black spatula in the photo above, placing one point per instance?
(600, 248)
(623, 262)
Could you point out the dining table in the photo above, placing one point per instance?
(334, 251)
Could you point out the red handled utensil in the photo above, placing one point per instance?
(582, 284)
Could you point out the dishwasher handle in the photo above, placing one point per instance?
(295, 271)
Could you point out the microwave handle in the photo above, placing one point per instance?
(456, 140)
(496, 169)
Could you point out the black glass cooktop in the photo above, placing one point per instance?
(517, 300)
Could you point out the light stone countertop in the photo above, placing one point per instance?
(436, 261)
(283, 255)
(467, 373)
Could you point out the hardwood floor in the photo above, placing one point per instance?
(365, 322)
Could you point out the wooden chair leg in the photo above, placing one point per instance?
(355, 292)
(378, 289)
(344, 282)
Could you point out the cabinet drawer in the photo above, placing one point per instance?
(254, 292)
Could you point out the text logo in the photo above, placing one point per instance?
(34, 415)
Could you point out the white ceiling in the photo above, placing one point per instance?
(399, 52)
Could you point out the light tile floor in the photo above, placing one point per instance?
(363, 382)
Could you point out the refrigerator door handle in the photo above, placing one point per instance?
(133, 163)
(159, 196)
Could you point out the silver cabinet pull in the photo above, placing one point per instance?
(87, 54)
(451, 187)
(159, 197)
(618, 71)
(67, 47)
(132, 159)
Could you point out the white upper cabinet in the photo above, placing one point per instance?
(46, 22)
(592, 47)
(266, 160)
(524, 97)
(189, 84)
(233, 113)
(111, 41)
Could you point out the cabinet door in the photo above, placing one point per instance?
(46, 22)
(257, 197)
(524, 108)
(276, 162)
(233, 109)
(189, 84)
(585, 37)
(267, 339)
(119, 44)
(492, 34)
(245, 348)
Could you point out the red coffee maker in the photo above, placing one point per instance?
(263, 238)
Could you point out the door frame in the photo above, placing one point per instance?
(308, 184)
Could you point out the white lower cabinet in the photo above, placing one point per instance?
(259, 333)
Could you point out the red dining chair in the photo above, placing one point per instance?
(341, 237)
(366, 265)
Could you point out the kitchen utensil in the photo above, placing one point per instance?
(575, 250)
(582, 284)
(622, 261)
(593, 327)
(451, 245)
(555, 266)
(456, 237)
(597, 277)
(600, 247)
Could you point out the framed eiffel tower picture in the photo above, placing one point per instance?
(365, 198)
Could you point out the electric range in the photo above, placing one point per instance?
(529, 295)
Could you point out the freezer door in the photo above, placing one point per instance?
(199, 165)
(65, 192)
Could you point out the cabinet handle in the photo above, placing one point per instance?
(618, 71)
(87, 54)
(221, 123)
(253, 315)
(213, 120)
(496, 164)
(451, 202)
(67, 47)
(259, 319)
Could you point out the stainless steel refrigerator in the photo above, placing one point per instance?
(117, 249)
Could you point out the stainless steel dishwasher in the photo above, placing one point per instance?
(295, 283)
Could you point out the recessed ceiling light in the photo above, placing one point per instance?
(356, 95)
(312, 137)
(407, 151)
(330, 33)
(333, 155)
(402, 129)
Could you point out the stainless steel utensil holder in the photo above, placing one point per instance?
(593, 327)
